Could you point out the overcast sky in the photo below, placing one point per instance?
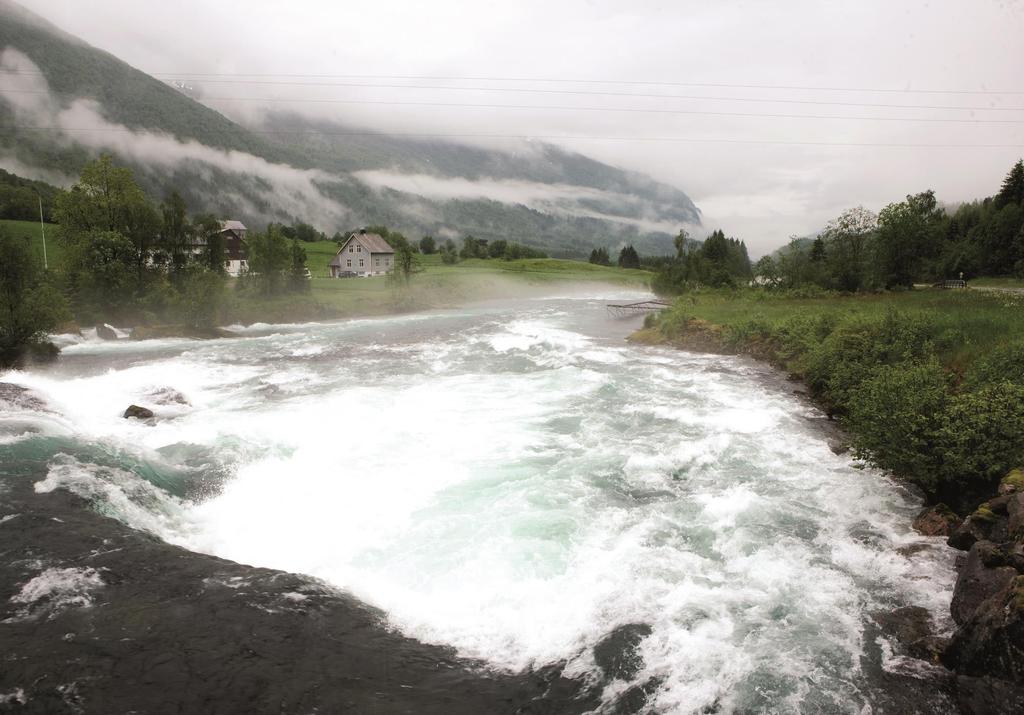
(962, 55)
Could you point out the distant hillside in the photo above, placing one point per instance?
(62, 102)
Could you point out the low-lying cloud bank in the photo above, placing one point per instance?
(555, 199)
(285, 188)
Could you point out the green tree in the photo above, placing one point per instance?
(629, 258)
(1012, 190)
(449, 252)
(30, 306)
(269, 258)
(176, 231)
(297, 274)
(199, 296)
(427, 245)
(848, 238)
(906, 237)
(206, 229)
(600, 257)
(682, 243)
(766, 271)
(497, 249)
(107, 199)
(405, 264)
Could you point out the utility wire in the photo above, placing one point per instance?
(570, 108)
(592, 93)
(553, 80)
(548, 137)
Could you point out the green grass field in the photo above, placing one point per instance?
(34, 232)
(997, 283)
(435, 285)
(980, 320)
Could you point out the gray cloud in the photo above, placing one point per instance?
(757, 190)
(291, 190)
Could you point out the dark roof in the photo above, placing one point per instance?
(374, 242)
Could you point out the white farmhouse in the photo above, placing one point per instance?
(363, 254)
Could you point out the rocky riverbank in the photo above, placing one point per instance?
(985, 655)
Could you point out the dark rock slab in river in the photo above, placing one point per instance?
(167, 630)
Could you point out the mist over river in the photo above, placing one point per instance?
(512, 480)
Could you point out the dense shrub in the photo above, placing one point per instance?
(897, 415)
(1005, 363)
(982, 437)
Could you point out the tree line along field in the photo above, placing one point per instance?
(435, 285)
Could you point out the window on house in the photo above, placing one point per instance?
(359, 249)
(351, 249)
(360, 262)
(386, 260)
(349, 263)
(377, 261)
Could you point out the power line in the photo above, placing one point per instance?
(548, 137)
(570, 108)
(591, 93)
(647, 83)
(554, 80)
(630, 110)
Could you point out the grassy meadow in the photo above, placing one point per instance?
(34, 232)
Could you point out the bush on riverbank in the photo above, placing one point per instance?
(930, 384)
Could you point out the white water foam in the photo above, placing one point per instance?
(521, 487)
(54, 590)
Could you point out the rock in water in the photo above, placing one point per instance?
(938, 520)
(617, 654)
(139, 413)
(984, 575)
(991, 643)
(105, 332)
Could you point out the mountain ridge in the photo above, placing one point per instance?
(66, 101)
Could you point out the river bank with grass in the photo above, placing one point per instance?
(929, 386)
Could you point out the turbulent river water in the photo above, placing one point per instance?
(513, 480)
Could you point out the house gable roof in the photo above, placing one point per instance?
(372, 242)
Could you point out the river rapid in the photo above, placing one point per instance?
(512, 480)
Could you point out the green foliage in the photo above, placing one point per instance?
(449, 253)
(297, 281)
(427, 245)
(1004, 363)
(200, 296)
(473, 248)
(982, 437)
(270, 258)
(896, 415)
(405, 264)
(600, 257)
(20, 198)
(719, 262)
(628, 257)
(1012, 190)
(30, 305)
